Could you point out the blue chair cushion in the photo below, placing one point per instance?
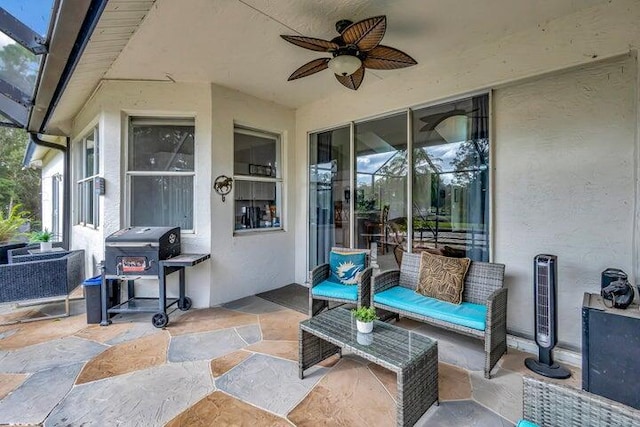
(334, 290)
(525, 423)
(465, 314)
(345, 267)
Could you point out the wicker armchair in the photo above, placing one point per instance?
(318, 303)
(551, 405)
(41, 276)
(483, 285)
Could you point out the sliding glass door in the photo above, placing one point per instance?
(448, 212)
(329, 193)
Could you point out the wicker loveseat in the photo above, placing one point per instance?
(46, 275)
(482, 314)
(552, 405)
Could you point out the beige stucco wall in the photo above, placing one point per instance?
(245, 264)
(110, 108)
(605, 31)
(564, 184)
(241, 265)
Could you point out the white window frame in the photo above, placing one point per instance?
(159, 121)
(82, 205)
(278, 179)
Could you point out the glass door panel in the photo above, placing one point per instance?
(381, 185)
(450, 182)
(329, 193)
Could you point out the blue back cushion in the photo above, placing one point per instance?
(345, 267)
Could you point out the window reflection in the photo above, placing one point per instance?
(381, 184)
(450, 187)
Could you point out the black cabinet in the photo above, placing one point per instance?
(611, 351)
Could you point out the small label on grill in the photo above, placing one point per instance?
(133, 264)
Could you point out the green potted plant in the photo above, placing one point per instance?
(364, 318)
(44, 237)
(11, 222)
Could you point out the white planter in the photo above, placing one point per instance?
(364, 327)
(364, 339)
(46, 246)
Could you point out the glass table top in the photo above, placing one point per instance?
(391, 344)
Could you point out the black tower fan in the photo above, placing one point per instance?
(545, 275)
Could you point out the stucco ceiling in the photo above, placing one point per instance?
(236, 43)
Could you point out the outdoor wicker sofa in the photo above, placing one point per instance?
(551, 405)
(46, 275)
(482, 314)
(340, 293)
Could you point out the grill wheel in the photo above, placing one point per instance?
(160, 320)
(187, 304)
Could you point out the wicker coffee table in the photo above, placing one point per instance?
(413, 357)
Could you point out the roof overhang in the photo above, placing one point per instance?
(65, 30)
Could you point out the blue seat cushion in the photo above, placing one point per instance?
(330, 289)
(525, 423)
(345, 267)
(465, 314)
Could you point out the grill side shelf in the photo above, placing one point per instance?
(185, 260)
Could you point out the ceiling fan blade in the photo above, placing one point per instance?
(387, 58)
(354, 80)
(366, 34)
(311, 43)
(309, 68)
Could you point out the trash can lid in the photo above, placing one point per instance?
(93, 281)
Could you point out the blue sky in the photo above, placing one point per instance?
(34, 13)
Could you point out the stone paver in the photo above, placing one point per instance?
(283, 349)
(41, 331)
(9, 382)
(453, 383)
(514, 361)
(219, 409)
(145, 398)
(253, 305)
(465, 413)
(38, 395)
(349, 395)
(51, 354)
(502, 393)
(250, 333)
(223, 364)
(209, 319)
(138, 329)
(250, 347)
(282, 325)
(268, 383)
(127, 357)
(104, 334)
(204, 345)
(456, 349)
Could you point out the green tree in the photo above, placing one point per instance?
(17, 186)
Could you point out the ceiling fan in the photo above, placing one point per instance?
(356, 48)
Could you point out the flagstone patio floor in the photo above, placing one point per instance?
(233, 365)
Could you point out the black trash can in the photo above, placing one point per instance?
(92, 299)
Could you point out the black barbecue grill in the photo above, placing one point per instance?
(143, 253)
(137, 251)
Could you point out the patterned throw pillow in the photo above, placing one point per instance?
(442, 277)
(346, 266)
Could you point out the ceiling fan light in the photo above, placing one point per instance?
(345, 65)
